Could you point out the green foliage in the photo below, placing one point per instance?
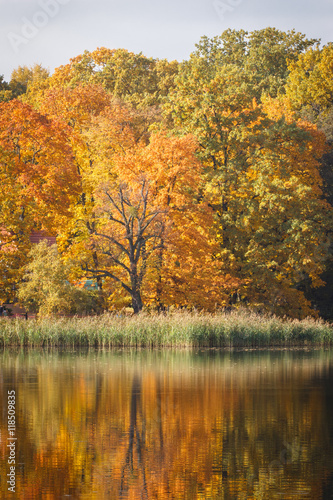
(137, 79)
(46, 290)
(24, 76)
(261, 55)
(5, 92)
(310, 80)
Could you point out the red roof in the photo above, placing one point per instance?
(38, 236)
(35, 238)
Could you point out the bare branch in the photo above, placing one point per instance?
(116, 260)
(113, 202)
(119, 245)
(122, 204)
(150, 220)
(103, 274)
(116, 220)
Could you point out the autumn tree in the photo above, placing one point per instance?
(150, 234)
(310, 91)
(76, 109)
(188, 270)
(80, 108)
(118, 162)
(38, 180)
(132, 231)
(261, 170)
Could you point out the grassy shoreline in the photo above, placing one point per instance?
(178, 329)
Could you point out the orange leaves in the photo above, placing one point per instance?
(169, 163)
(38, 179)
(173, 163)
(184, 271)
(75, 106)
(36, 158)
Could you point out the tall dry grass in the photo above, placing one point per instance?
(175, 329)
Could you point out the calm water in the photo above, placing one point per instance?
(168, 425)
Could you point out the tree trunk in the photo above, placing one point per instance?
(135, 289)
(136, 302)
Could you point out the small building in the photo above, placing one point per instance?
(38, 236)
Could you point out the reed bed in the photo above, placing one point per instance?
(175, 329)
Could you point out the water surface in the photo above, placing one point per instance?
(169, 424)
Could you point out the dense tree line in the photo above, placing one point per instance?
(206, 183)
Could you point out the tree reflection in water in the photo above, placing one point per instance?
(170, 424)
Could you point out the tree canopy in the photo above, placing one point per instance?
(199, 184)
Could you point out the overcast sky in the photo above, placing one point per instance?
(50, 32)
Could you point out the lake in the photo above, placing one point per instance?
(167, 424)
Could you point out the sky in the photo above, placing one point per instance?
(50, 32)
